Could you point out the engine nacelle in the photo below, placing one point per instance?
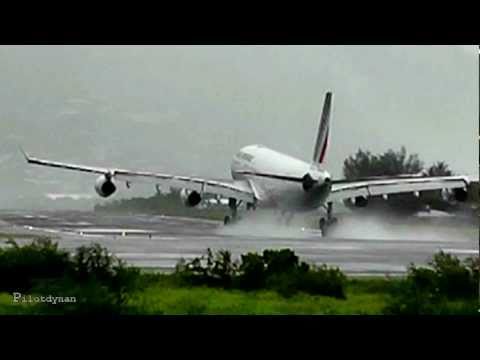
(360, 201)
(190, 198)
(104, 186)
(460, 195)
(319, 179)
(308, 182)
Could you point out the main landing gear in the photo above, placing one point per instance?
(233, 205)
(325, 223)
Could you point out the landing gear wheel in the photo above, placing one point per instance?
(322, 224)
(226, 220)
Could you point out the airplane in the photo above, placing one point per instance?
(262, 177)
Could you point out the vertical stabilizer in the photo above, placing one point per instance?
(323, 134)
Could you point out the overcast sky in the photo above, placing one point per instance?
(188, 109)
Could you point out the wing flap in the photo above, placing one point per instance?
(235, 189)
(345, 190)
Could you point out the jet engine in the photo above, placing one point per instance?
(104, 186)
(190, 198)
(460, 195)
(308, 182)
(360, 201)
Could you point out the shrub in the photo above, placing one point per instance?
(423, 279)
(323, 281)
(223, 268)
(21, 266)
(317, 281)
(406, 299)
(278, 270)
(216, 269)
(93, 262)
(437, 290)
(99, 281)
(284, 283)
(453, 277)
(252, 272)
(417, 294)
(473, 266)
(280, 261)
(95, 266)
(91, 296)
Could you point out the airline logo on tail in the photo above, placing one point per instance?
(321, 144)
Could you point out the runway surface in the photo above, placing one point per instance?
(363, 246)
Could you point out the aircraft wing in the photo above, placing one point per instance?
(342, 189)
(238, 189)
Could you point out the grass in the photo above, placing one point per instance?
(364, 296)
(8, 307)
(164, 297)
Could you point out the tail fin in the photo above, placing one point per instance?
(323, 131)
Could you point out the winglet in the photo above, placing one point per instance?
(25, 155)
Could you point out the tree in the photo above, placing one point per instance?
(390, 163)
(364, 164)
(440, 168)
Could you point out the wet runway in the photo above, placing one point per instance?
(159, 241)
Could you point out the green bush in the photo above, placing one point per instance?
(323, 281)
(406, 299)
(252, 272)
(95, 264)
(448, 287)
(103, 280)
(284, 283)
(98, 280)
(454, 279)
(223, 268)
(278, 270)
(274, 269)
(21, 266)
(92, 297)
(280, 261)
(473, 266)
(216, 269)
(415, 295)
(423, 279)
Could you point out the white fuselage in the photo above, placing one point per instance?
(277, 192)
